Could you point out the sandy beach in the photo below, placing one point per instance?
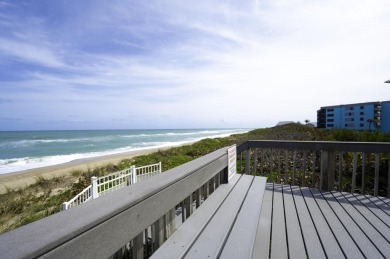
(27, 177)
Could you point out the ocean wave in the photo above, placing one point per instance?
(9, 165)
(192, 133)
(33, 142)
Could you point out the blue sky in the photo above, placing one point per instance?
(187, 64)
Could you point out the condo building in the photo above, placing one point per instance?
(358, 116)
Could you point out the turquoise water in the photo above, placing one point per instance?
(21, 150)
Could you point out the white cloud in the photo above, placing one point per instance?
(224, 63)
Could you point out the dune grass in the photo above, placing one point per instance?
(21, 206)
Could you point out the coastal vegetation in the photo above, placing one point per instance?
(21, 206)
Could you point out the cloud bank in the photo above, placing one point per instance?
(170, 64)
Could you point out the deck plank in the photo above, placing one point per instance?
(210, 242)
(329, 243)
(358, 235)
(347, 244)
(241, 239)
(384, 217)
(310, 235)
(385, 200)
(377, 245)
(185, 235)
(369, 215)
(263, 234)
(279, 243)
(294, 234)
(379, 203)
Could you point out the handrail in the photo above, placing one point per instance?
(343, 166)
(108, 183)
(102, 226)
(83, 196)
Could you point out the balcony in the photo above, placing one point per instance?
(321, 199)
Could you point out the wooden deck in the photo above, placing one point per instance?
(300, 222)
(239, 220)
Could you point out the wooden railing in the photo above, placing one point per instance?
(343, 166)
(134, 221)
(131, 222)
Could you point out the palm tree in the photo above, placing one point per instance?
(307, 121)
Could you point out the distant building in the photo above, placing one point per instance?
(359, 116)
(385, 116)
(281, 123)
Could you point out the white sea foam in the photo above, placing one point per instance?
(25, 163)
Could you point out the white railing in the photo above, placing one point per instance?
(109, 183)
(114, 181)
(83, 196)
(147, 171)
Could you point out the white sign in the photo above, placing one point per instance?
(232, 158)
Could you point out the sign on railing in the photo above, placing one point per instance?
(109, 183)
(232, 161)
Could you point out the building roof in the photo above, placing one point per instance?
(351, 104)
(280, 123)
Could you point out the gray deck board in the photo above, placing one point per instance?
(378, 202)
(344, 239)
(294, 234)
(381, 227)
(360, 238)
(329, 242)
(184, 236)
(242, 237)
(310, 235)
(294, 222)
(211, 240)
(384, 217)
(372, 234)
(262, 242)
(385, 200)
(279, 243)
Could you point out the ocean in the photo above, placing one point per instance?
(22, 150)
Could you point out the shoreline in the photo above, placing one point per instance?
(27, 177)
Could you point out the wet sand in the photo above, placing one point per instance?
(27, 177)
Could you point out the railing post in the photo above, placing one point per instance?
(159, 164)
(224, 176)
(171, 222)
(134, 173)
(188, 207)
(354, 171)
(388, 176)
(130, 180)
(248, 161)
(95, 193)
(327, 170)
(138, 246)
(376, 180)
(65, 206)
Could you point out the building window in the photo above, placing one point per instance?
(361, 119)
(329, 110)
(361, 124)
(330, 125)
(349, 125)
(330, 120)
(361, 113)
(349, 114)
(349, 119)
(330, 115)
(350, 108)
(361, 107)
